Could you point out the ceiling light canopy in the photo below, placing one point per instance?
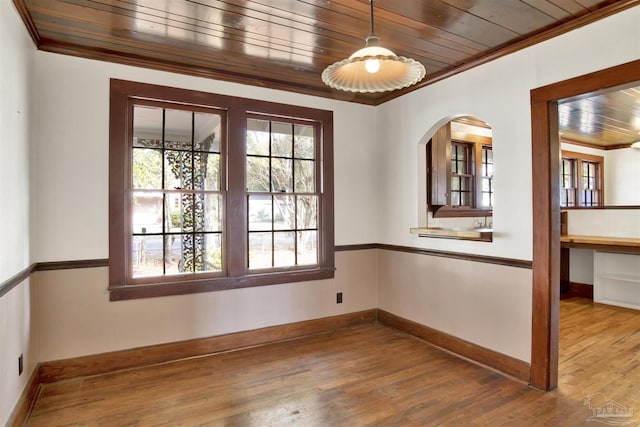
(373, 69)
(636, 145)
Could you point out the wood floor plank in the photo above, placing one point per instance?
(362, 375)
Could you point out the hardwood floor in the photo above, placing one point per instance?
(361, 375)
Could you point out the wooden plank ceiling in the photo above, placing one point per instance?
(286, 44)
(607, 120)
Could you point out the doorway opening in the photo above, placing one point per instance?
(546, 215)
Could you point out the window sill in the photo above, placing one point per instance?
(476, 234)
(125, 292)
(458, 212)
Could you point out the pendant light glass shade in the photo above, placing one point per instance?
(373, 69)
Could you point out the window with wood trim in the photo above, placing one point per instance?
(460, 174)
(461, 193)
(210, 192)
(486, 177)
(591, 185)
(568, 190)
(581, 180)
(175, 196)
(283, 197)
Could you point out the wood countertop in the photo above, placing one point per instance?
(601, 243)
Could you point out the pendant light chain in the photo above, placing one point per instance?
(371, 33)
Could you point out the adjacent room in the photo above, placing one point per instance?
(319, 213)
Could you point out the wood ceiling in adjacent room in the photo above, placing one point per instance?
(605, 120)
(286, 44)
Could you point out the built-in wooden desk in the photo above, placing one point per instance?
(620, 285)
(601, 243)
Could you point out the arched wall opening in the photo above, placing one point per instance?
(466, 130)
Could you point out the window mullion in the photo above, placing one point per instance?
(193, 194)
(273, 232)
(271, 190)
(236, 242)
(579, 186)
(164, 194)
(295, 197)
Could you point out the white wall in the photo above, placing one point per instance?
(621, 173)
(622, 187)
(604, 222)
(90, 324)
(16, 331)
(15, 73)
(72, 146)
(498, 93)
(72, 220)
(405, 123)
(483, 303)
(623, 223)
(622, 177)
(581, 266)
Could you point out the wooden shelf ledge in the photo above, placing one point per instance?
(477, 234)
(601, 243)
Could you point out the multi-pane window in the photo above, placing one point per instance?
(461, 174)
(460, 170)
(590, 184)
(486, 177)
(568, 183)
(209, 192)
(176, 201)
(581, 180)
(282, 194)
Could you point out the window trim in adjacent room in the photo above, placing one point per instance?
(235, 273)
(462, 170)
(475, 145)
(484, 161)
(577, 160)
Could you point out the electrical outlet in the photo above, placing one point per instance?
(339, 298)
(20, 365)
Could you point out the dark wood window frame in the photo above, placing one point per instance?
(441, 173)
(236, 274)
(568, 188)
(578, 159)
(484, 166)
(462, 172)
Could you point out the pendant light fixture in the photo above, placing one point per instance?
(373, 69)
